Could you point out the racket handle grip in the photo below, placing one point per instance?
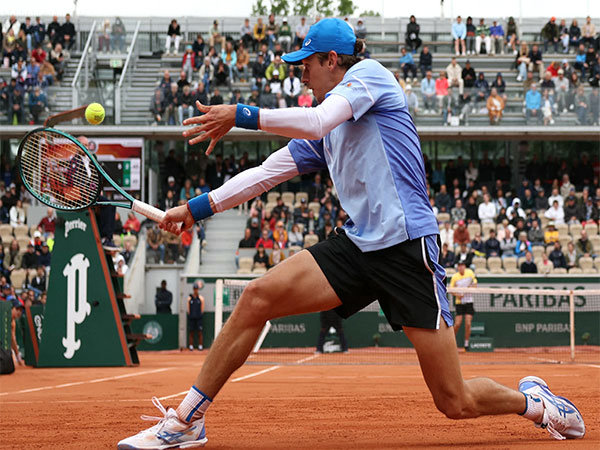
(149, 211)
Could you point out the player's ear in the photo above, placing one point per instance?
(332, 60)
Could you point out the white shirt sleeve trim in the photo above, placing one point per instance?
(277, 168)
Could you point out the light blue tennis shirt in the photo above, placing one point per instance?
(374, 160)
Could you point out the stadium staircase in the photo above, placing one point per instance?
(223, 234)
(136, 100)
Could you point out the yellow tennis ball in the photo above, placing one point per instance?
(94, 113)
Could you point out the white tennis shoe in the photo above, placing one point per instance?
(561, 418)
(169, 432)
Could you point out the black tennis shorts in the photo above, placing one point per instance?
(194, 324)
(406, 279)
(465, 308)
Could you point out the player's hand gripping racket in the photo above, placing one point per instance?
(60, 172)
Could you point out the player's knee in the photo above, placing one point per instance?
(254, 304)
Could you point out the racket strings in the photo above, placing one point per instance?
(58, 171)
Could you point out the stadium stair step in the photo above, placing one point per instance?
(223, 234)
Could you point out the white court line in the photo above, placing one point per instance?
(166, 397)
(308, 358)
(255, 374)
(97, 380)
(596, 366)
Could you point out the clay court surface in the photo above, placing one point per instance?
(301, 406)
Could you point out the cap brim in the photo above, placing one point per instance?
(297, 56)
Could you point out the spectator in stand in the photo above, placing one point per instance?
(454, 72)
(574, 35)
(39, 32)
(535, 234)
(265, 239)
(557, 257)
(259, 68)
(302, 30)
(285, 35)
(497, 38)
(482, 89)
(236, 97)
(512, 34)
(470, 39)
(407, 64)
(48, 224)
(413, 42)
(562, 92)
(468, 75)
(580, 60)
(500, 86)
(280, 235)
(37, 104)
(16, 105)
(275, 66)
(447, 235)
(443, 200)
(171, 102)
(528, 266)
(461, 234)
(222, 75)
(132, 224)
(581, 106)
(441, 89)
(247, 35)
(198, 47)
(508, 243)
(157, 106)
(536, 61)
(165, 83)
(478, 246)
(428, 93)
(555, 213)
(495, 107)
(229, 55)
(104, 37)
(58, 58)
(571, 256)
(291, 88)
(523, 245)
(584, 246)
(361, 30)
(68, 34)
(426, 61)
(206, 73)
(163, 299)
(188, 63)
(522, 61)
(547, 108)
(53, 31)
(9, 46)
(267, 98)
(533, 104)
(272, 31)
(588, 32)
(214, 35)
(118, 36)
(27, 28)
(486, 210)
(563, 31)
(240, 68)
(412, 101)
(550, 34)
(483, 35)
(248, 241)
(459, 33)
(447, 257)
(261, 259)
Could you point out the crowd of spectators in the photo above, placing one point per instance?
(460, 91)
(36, 55)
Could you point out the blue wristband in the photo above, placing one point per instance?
(200, 207)
(246, 116)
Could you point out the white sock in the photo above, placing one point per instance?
(534, 410)
(466, 343)
(194, 405)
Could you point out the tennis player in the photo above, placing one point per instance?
(388, 250)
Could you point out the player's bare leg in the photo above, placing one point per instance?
(295, 286)
(468, 321)
(458, 320)
(462, 399)
(455, 397)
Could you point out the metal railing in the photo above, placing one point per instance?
(85, 66)
(132, 55)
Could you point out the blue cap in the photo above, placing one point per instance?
(324, 36)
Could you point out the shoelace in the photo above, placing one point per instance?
(156, 402)
(548, 422)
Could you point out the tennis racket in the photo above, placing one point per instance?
(60, 172)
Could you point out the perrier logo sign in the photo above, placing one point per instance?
(78, 307)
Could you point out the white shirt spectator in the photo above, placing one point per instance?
(486, 212)
(291, 86)
(17, 216)
(302, 30)
(556, 213)
(447, 237)
(558, 198)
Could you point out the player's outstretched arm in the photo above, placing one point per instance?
(298, 123)
(280, 166)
